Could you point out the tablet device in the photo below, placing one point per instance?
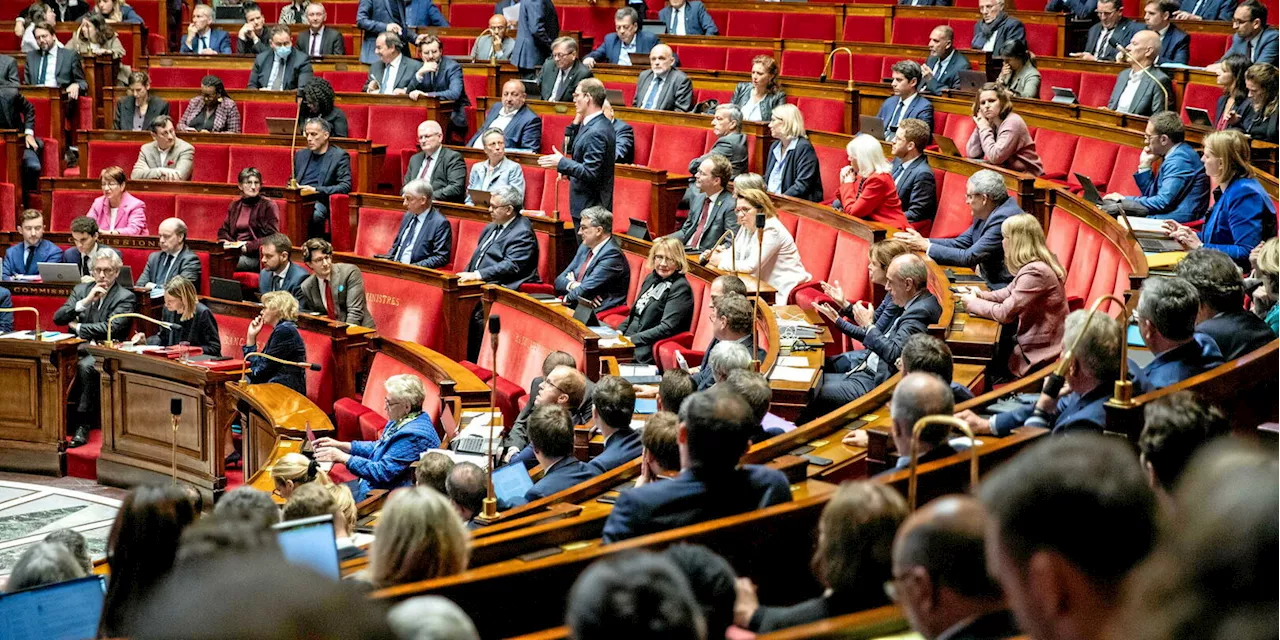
(479, 198)
(971, 81)
(1134, 337)
(946, 145)
(614, 96)
(64, 610)
(872, 126)
(1063, 95)
(656, 27)
(510, 483)
(310, 543)
(646, 406)
(531, 87)
(125, 279)
(1090, 189)
(59, 272)
(281, 126)
(638, 229)
(584, 314)
(225, 289)
(1199, 116)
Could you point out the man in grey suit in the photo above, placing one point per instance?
(166, 157)
(730, 141)
(283, 67)
(711, 208)
(562, 71)
(663, 87)
(317, 41)
(1142, 89)
(53, 66)
(495, 47)
(173, 259)
(392, 72)
(334, 290)
(8, 71)
(443, 168)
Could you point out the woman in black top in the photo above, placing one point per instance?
(136, 111)
(279, 308)
(317, 102)
(1260, 122)
(664, 306)
(196, 325)
(1235, 95)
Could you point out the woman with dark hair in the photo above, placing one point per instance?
(250, 218)
(95, 36)
(1019, 74)
(1001, 136)
(1260, 122)
(141, 549)
(116, 211)
(1234, 101)
(136, 111)
(758, 97)
(213, 111)
(317, 102)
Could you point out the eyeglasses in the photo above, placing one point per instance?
(664, 258)
(103, 271)
(547, 381)
(891, 586)
(559, 56)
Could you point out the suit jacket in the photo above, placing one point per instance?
(873, 197)
(620, 448)
(73, 256)
(1175, 46)
(331, 42)
(801, 177)
(566, 472)
(126, 108)
(523, 131)
(445, 83)
(675, 94)
(1122, 33)
(483, 49)
(1004, 29)
(425, 13)
(917, 189)
(181, 157)
(979, 245)
(919, 108)
(624, 150)
(611, 48)
(694, 497)
(185, 264)
(201, 330)
(131, 218)
(949, 78)
(285, 343)
(547, 80)
(8, 71)
(67, 69)
(335, 170)
(1180, 191)
(93, 320)
(293, 277)
(1078, 9)
(448, 174)
(608, 277)
(733, 146)
(705, 378)
(920, 312)
(15, 258)
(742, 95)
(1037, 301)
(1149, 99)
(589, 165)
(1265, 50)
(697, 22)
(246, 47)
(218, 41)
(373, 16)
(668, 314)
(297, 70)
(16, 112)
(511, 259)
(405, 74)
(518, 437)
(348, 301)
(722, 218)
(6, 319)
(1179, 363)
(1240, 220)
(1237, 333)
(539, 26)
(434, 246)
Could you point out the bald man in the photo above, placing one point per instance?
(916, 396)
(442, 167)
(173, 259)
(521, 127)
(940, 574)
(495, 47)
(1142, 89)
(662, 87)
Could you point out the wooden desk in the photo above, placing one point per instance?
(275, 413)
(789, 397)
(34, 380)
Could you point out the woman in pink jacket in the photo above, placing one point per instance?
(1036, 299)
(1000, 136)
(117, 212)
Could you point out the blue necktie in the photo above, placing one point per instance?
(654, 90)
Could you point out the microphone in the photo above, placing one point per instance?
(727, 235)
(39, 335)
(761, 219)
(175, 406)
(311, 366)
(175, 412)
(489, 511)
(495, 325)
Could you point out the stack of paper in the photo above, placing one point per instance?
(792, 374)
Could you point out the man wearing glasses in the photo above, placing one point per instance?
(441, 167)
(564, 386)
(507, 254)
(562, 72)
(86, 313)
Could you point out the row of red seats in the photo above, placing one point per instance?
(361, 418)
(219, 163)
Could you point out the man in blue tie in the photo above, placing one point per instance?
(425, 238)
(663, 87)
(22, 259)
(626, 41)
(906, 101)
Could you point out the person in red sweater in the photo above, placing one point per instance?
(866, 185)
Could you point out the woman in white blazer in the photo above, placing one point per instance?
(777, 262)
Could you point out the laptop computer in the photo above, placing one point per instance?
(281, 126)
(479, 197)
(584, 314)
(1063, 95)
(510, 483)
(532, 88)
(971, 80)
(1199, 116)
(1090, 189)
(310, 543)
(614, 96)
(225, 289)
(656, 27)
(59, 272)
(67, 609)
(872, 126)
(946, 145)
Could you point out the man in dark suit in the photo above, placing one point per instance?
(1175, 44)
(732, 317)
(201, 37)
(425, 238)
(506, 254)
(53, 66)
(282, 67)
(1167, 312)
(379, 17)
(711, 208)
(615, 402)
(1142, 89)
(322, 168)
(1207, 10)
(174, 258)
(551, 436)
(6, 319)
(626, 41)
(562, 72)
(8, 71)
(317, 41)
(942, 69)
(688, 18)
(624, 149)
(1253, 39)
(916, 396)
(996, 27)
(16, 112)
(443, 168)
(591, 161)
(563, 386)
(662, 87)
(391, 72)
(279, 273)
(906, 101)
(1075, 9)
(84, 236)
(521, 127)
(715, 430)
(25, 257)
(912, 175)
(1222, 315)
(85, 314)
(440, 77)
(538, 28)
(1111, 29)
(335, 290)
(851, 375)
(1180, 190)
(580, 412)
(730, 141)
(980, 246)
(599, 275)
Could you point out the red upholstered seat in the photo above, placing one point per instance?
(396, 127)
(553, 192)
(593, 21)
(345, 81)
(700, 57)
(1200, 96)
(953, 215)
(754, 24)
(817, 246)
(963, 29)
(1050, 78)
(822, 114)
(789, 220)
(470, 15)
(863, 29)
(235, 78)
(109, 153)
(457, 46)
(1094, 158)
(47, 305)
(532, 186)
(553, 132)
(254, 114)
(175, 77)
(1122, 172)
(802, 64)
(644, 141)
(203, 285)
(739, 59)
(159, 207)
(320, 383)
(1094, 266)
(344, 13)
(866, 68)
(7, 213)
(1056, 150)
(134, 258)
(1042, 39)
(1207, 48)
(1095, 89)
(204, 215)
(67, 205)
(45, 128)
(628, 90)
(679, 146)
(274, 163)
(521, 361)
(405, 311)
(830, 160)
(959, 130)
(376, 231)
(808, 26)
(720, 96)
(631, 199)
(466, 235)
(915, 30)
(213, 165)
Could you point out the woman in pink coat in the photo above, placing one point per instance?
(117, 212)
(1036, 299)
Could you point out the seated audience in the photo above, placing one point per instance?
(24, 258)
(867, 189)
(777, 262)
(74, 542)
(663, 87)
(174, 258)
(758, 98)
(660, 458)
(1175, 428)
(440, 77)
(1167, 321)
(564, 386)
(1181, 191)
(322, 168)
(1222, 314)
(912, 175)
(1109, 34)
(1234, 103)
(664, 302)
(562, 71)
(980, 247)
(1175, 44)
(754, 388)
(249, 505)
(1266, 277)
(853, 560)
(1260, 122)
(1143, 89)
(251, 219)
(419, 537)
(627, 40)
(213, 111)
(712, 580)
(995, 27)
(282, 67)
(466, 487)
(192, 322)
(95, 37)
(711, 206)
(520, 126)
(551, 436)
(941, 70)
(54, 66)
(390, 72)
(1019, 76)
(598, 276)
(316, 40)
(41, 564)
(497, 46)
(1041, 508)
(279, 273)
(633, 595)
(431, 617)
(687, 18)
(280, 311)
(385, 463)
(252, 39)
(731, 321)
(715, 430)
(444, 168)
(317, 102)
(425, 238)
(906, 101)
(726, 124)
(116, 211)
(676, 386)
(334, 290)
(1001, 136)
(496, 169)
(859, 312)
(166, 157)
(791, 166)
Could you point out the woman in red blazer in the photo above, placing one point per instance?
(866, 186)
(1036, 299)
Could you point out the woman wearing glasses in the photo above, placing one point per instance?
(664, 306)
(776, 261)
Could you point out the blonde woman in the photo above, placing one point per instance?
(777, 262)
(279, 310)
(664, 305)
(791, 168)
(196, 324)
(420, 537)
(867, 189)
(1266, 268)
(1036, 299)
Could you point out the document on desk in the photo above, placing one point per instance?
(1153, 226)
(792, 374)
(793, 361)
(47, 336)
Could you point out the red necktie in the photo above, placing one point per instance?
(696, 240)
(425, 174)
(582, 271)
(328, 302)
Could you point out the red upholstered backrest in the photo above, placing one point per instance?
(345, 81)
(702, 328)
(7, 220)
(916, 31)
(851, 268)
(375, 392)
(159, 207)
(1094, 158)
(273, 162)
(959, 130)
(1094, 266)
(1056, 150)
(864, 29)
(551, 191)
(802, 64)
(396, 127)
(457, 46)
(789, 220)
(739, 59)
(1200, 96)
(701, 57)
(109, 153)
(176, 77)
(830, 161)
(1095, 89)
(67, 205)
(953, 215)
(638, 274)
(809, 26)
(255, 114)
(1207, 48)
(631, 199)
(593, 21)
(405, 311)
(644, 141)
(344, 13)
(754, 24)
(553, 131)
(44, 127)
(235, 79)
(320, 383)
(376, 231)
(470, 15)
(839, 69)
(1122, 172)
(533, 177)
(203, 285)
(822, 114)
(678, 146)
(48, 305)
(817, 247)
(466, 235)
(1050, 78)
(628, 90)
(866, 68)
(212, 163)
(520, 360)
(1042, 39)
(204, 215)
(357, 120)
(963, 29)
(135, 259)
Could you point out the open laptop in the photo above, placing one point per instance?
(872, 126)
(226, 289)
(946, 145)
(281, 126)
(656, 27)
(67, 609)
(510, 483)
(1199, 116)
(1064, 95)
(479, 198)
(1149, 244)
(971, 81)
(59, 272)
(310, 543)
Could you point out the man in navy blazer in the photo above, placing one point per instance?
(906, 101)
(551, 435)
(590, 163)
(980, 246)
(1222, 315)
(942, 68)
(440, 77)
(599, 275)
(912, 175)
(323, 168)
(1253, 39)
(202, 37)
(1077, 9)
(54, 66)
(425, 238)
(1175, 44)
(1180, 191)
(377, 17)
(507, 253)
(614, 403)
(688, 18)
(538, 28)
(278, 272)
(1111, 29)
(521, 127)
(996, 27)
(626, 41)
(23, 258)
(715, 430)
